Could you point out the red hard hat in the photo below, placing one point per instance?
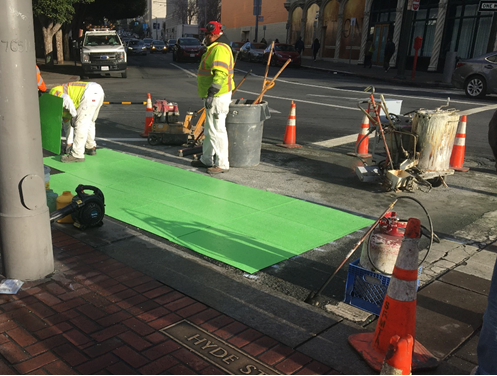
(213, 27)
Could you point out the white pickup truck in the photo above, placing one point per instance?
(103, 52)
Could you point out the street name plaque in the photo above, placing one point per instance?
(487, 6)
(216, 351)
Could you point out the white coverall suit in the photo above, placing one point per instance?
(84, 105)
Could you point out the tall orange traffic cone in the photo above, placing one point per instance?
(149, 117)
(290, 131)
(457, 156)
(362, 143)
(398, 313)
(398, 358)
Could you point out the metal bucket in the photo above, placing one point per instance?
(436, 132)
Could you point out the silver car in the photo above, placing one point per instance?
(477, 76)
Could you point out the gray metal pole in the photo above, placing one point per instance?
(25, 235)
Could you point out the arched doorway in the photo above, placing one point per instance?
(311, 25)
(330, 21)
(353, 16)
(295, 24)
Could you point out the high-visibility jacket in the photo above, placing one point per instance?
(39, 80)
(75, 90)
(216, 69)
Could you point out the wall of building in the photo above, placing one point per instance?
(239, 21)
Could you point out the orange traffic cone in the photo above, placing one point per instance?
(398, 358)
(457, 156)
(290, 136)
(149, 117)
(398, 313)
(362, 143)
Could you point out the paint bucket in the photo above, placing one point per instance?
(47, 176)
(63, 200)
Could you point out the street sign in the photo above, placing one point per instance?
(487, 6)
(257, 7)
(413, 5)
(261, 18)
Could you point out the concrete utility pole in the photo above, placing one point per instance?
(25, 235)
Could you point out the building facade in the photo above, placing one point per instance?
(240, 22)
(343, 27)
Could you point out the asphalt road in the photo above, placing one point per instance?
(327, 114)
(326, 103)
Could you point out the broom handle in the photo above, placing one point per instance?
(267, 87)
(356, 246)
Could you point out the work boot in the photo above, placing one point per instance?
(216, 170)
(92, 151)
(70, 158)
(199, 163)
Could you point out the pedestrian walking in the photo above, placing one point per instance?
(299, 45)
(389, 51)
(315, 48)
(215, 85)
(82, 102)
(368, 53)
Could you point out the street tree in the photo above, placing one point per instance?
(52, 14)
(185, 11)
(114, 10)
(209, 10)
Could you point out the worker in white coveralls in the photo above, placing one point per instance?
(82, 100)
(215, 85)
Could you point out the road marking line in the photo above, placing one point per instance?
(359, 91)
(337, 141)
(247, 92)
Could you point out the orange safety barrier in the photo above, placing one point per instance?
(149, 117)
(290, 131)
(398, 358)
(459, 148)
(398, 313)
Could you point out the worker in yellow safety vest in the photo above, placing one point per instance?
(39, 81)
(215, 85)
(82, 102)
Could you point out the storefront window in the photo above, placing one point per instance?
(467, 29)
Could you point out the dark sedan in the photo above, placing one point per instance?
(477, 76)
(188, 49)
(158, 46)
(281, 53)
(136, 47)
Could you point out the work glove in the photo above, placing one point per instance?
(210, 97)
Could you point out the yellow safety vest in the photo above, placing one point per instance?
(75, 90)
(216, 67)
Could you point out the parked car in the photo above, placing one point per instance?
(136, 47)
(477, 76)
(170, 44)
(252, 52)
(188, 49)
(158, 46)
(235, 46)
(147, 42)
(281, 53)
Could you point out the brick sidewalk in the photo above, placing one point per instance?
(96, 315)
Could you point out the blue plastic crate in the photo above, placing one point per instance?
(365, 289)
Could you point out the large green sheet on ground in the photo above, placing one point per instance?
(241, 226)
